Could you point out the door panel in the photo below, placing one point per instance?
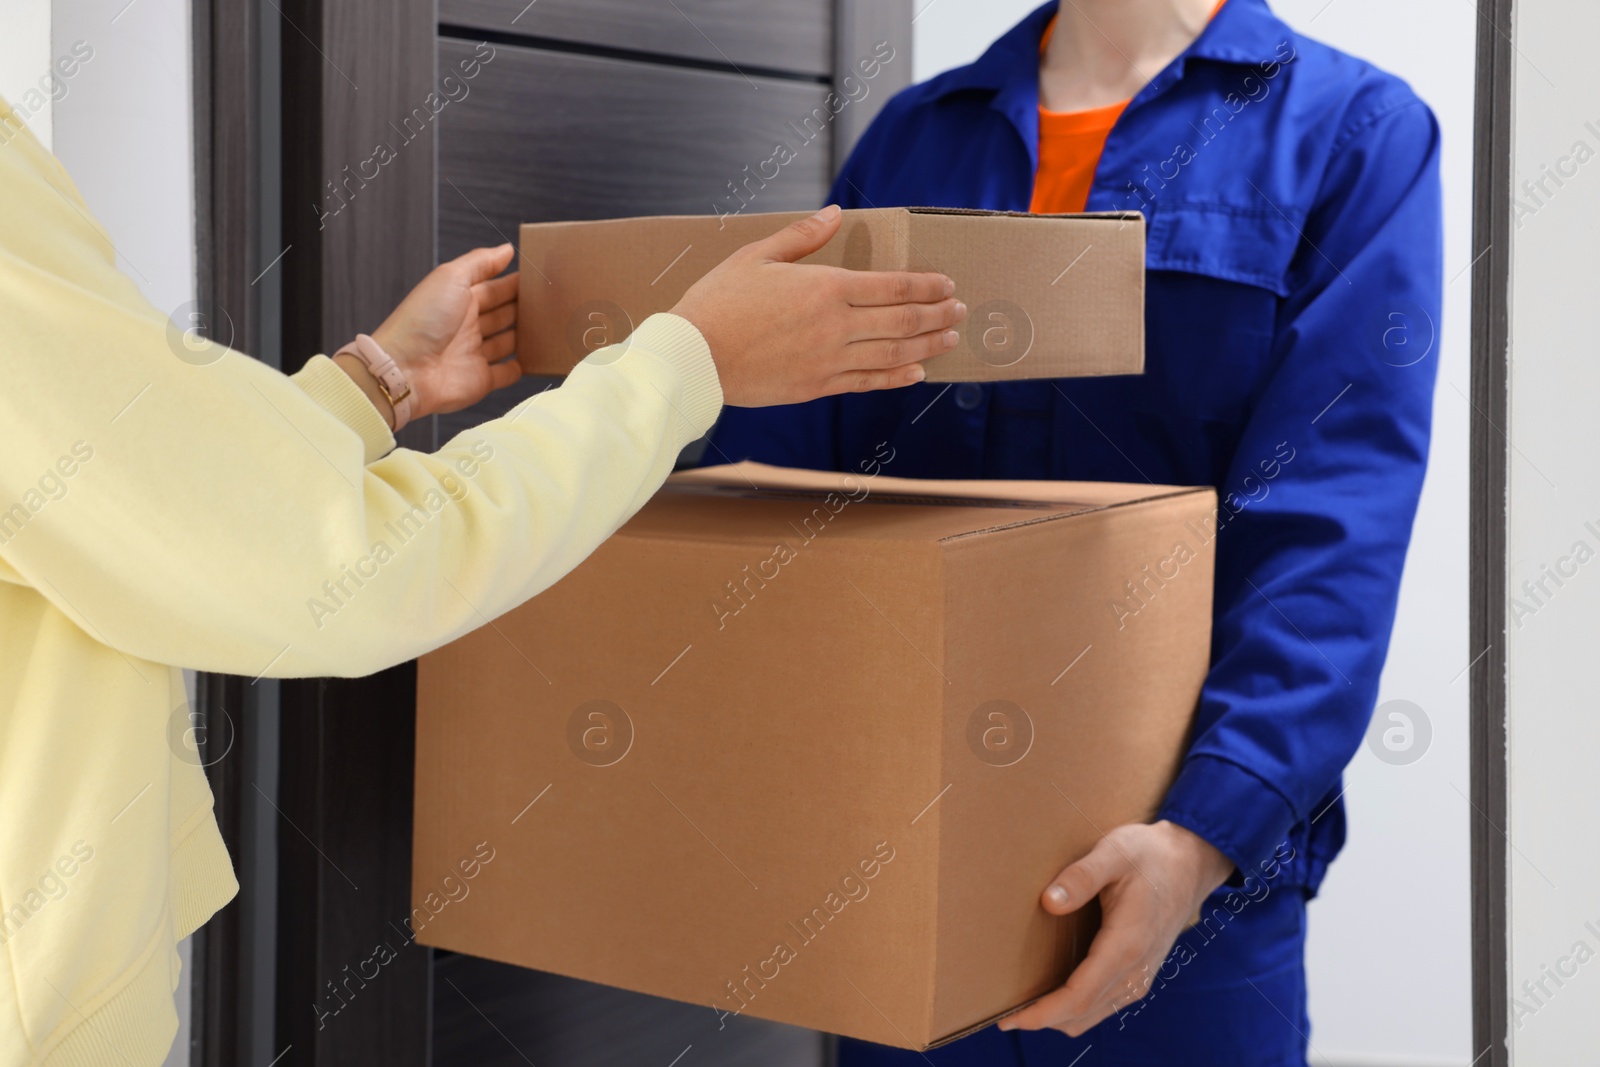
(550, 136)
(776, 35)
(495, 1015)
(548, 133)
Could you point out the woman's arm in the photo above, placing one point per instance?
(218, 517)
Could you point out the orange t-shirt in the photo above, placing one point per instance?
(1070, 143)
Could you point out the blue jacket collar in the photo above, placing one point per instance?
(1244, 31)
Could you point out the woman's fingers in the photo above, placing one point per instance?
(781, 333)
(500, 318)
(888, 363)
(905, 320)
(896, 352)
(481, 264)
(796, 240)
(881, 288)
(495, 292)
(499, 346)
(503, 374)
(866, 381)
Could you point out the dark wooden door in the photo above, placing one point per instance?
(494, 112)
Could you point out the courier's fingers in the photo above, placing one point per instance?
(1078, 883)
(905, 320)
(879, 288)
(1091, 990)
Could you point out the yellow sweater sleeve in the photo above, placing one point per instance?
(214, 515)
(323, 381)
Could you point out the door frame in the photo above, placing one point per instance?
(1487, 518)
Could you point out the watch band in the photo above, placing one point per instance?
(391, 380)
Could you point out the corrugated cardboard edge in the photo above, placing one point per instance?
(722, 476)
(930, 945)
(1123, 216)
(779, 216)
(1174, 493)
(984, 1025)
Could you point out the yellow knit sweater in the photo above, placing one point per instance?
(158, 513)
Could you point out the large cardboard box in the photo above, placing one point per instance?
(809, 746)
(1048, 296)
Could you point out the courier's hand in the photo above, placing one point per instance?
(452, 332)
(782, 332)
(1151, 881)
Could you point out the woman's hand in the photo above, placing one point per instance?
(1151, 881)
(782, 332)
(452, 334)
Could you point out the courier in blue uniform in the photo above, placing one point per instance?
(1292, 303)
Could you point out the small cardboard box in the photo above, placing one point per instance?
(1048, 296)
(809, 746)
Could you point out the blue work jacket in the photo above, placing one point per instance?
(1292, 306)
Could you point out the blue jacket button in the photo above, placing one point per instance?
(968, 395)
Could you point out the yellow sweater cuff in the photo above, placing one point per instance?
(677, 342)
(323, 381)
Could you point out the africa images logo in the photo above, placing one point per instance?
(599, 732)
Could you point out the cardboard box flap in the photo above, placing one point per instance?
(902, 509)
(1122, 216)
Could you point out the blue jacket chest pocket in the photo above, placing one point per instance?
(1216, 276)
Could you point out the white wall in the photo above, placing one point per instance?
(1389, 950)
(123, 130)
(25, 59)
(1390, 944)
(1553, 733)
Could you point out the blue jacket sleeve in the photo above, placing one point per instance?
(1319, 501)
